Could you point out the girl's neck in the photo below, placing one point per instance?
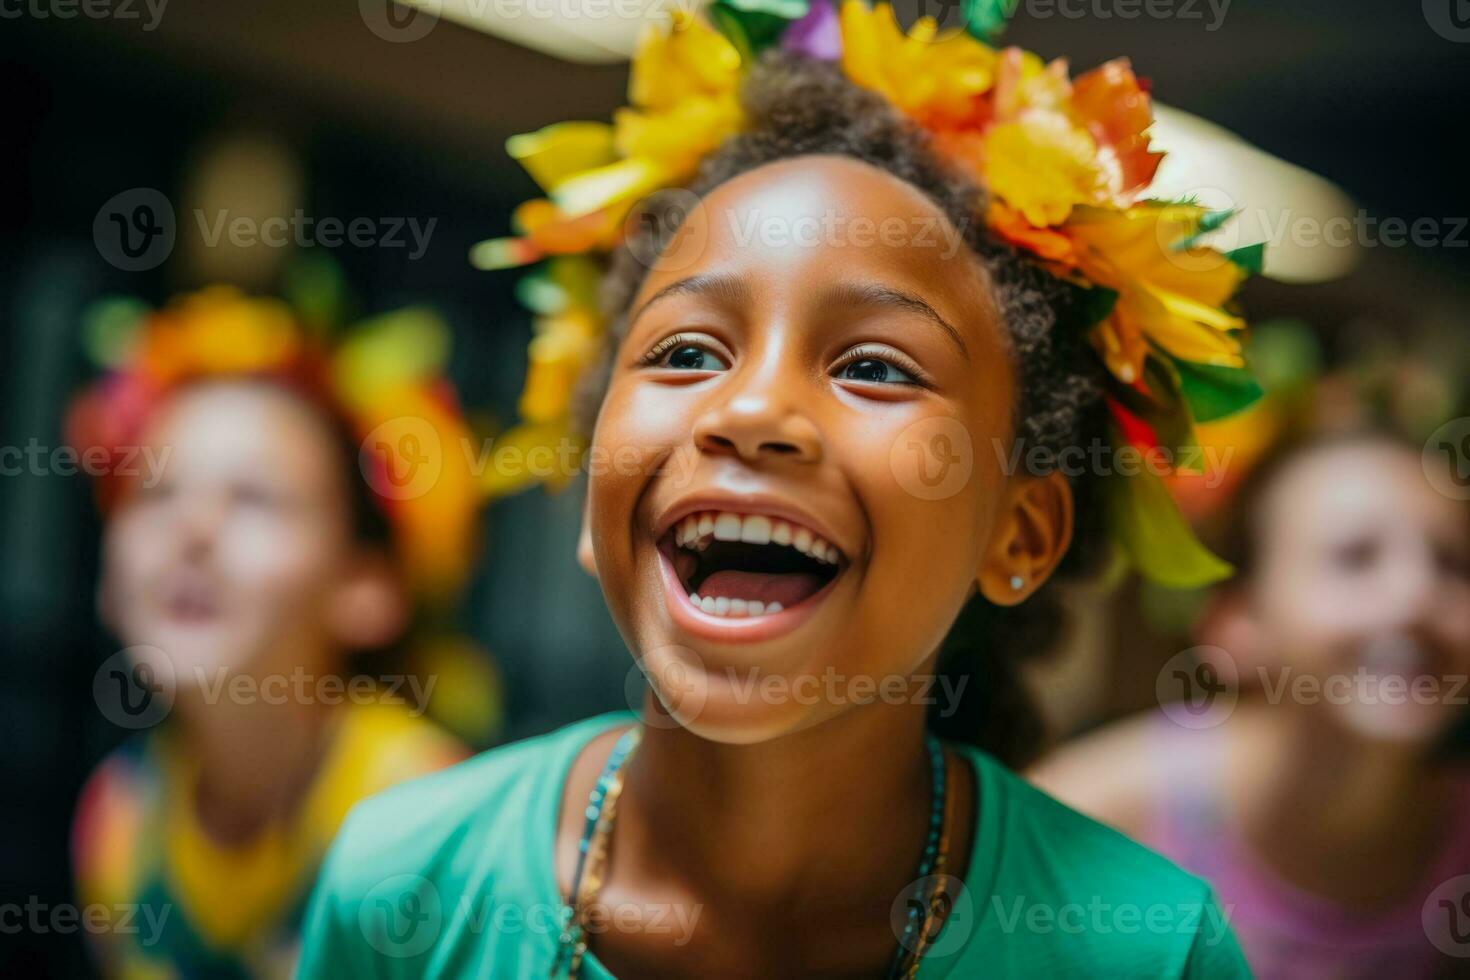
(840, 805)
(1320, 805)
(254, 760)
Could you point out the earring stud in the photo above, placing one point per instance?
(1016, 582)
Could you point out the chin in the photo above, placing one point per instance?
(727, 703)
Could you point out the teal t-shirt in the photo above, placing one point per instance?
(451, 876)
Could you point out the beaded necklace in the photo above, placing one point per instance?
(925, 912)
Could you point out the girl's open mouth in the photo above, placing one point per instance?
(745, 567)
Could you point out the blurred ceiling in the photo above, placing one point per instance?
(1360, 91)
(1340, 82)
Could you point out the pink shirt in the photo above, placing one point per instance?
(1285, 932)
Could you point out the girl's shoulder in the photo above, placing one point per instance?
(509, 791)
(447, 854)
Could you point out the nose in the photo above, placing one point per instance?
(758, 418)
(197, 523)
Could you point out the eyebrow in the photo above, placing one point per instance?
(732, 290)
(877, 295)
(727, 289)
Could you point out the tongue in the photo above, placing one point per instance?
(787, 588)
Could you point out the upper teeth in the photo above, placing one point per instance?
(697, 530)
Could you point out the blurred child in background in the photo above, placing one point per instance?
(1328, 806)
(243, 571)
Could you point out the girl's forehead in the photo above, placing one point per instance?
(844, 195)
(1360, 486)
(795, 226)
(247, 426)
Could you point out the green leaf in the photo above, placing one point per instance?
(986, 19)
(1213, 392)
(754, 25)
(316, 289)
(1215, 219)
(1250, 258)
(540, 294)
(1285, 353)
(399, 348)
(110, 329)
(1208, 222)
(1155, 536)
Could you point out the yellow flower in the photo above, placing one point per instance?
(219, 331)
(684, 91)
(936, 79)
(1168, 294)
(1043, 166)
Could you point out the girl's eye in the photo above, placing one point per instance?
(691, 358)
(875, 364)
(680, 354)
(256, 496)
(873, 369)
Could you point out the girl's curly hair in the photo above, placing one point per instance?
(796, 106)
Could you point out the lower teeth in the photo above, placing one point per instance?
(733, 608)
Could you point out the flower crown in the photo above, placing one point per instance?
(381, 378)
(1066, 163)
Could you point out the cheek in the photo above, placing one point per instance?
(928, 497)
(1310, 609)
(279, 562)
(642, 429)
(134, 553)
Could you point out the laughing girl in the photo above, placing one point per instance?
(864, 275)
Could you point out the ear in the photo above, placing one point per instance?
(1031, 534)
(370, 607)
(585, 555)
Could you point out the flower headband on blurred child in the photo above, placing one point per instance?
(381, 379)
(1067, 165)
